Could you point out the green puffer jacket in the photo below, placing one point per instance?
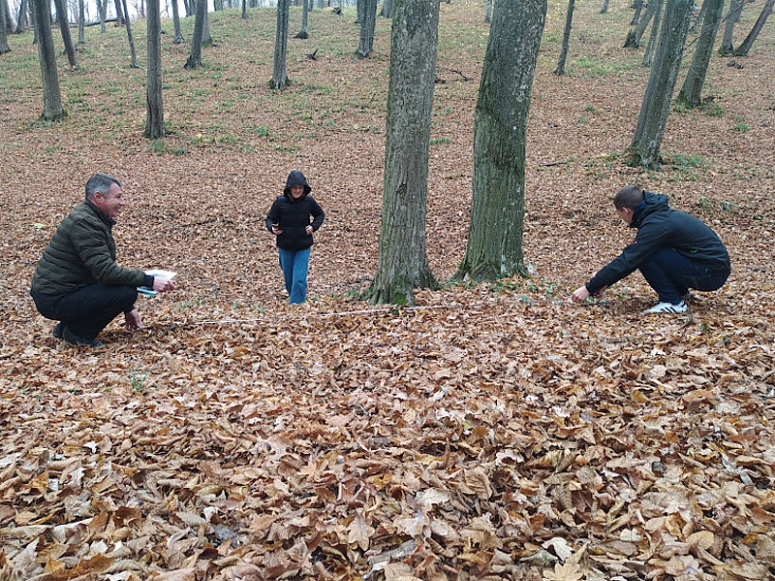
(81, 252)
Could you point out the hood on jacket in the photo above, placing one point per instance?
(651, 203)
(296, 178)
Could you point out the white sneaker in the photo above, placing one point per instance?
(668, 308)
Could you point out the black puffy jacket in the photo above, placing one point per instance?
(293, 215)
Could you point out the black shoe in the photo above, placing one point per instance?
(58, 330)
(74, 339)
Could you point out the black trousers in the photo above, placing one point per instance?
(88, 310)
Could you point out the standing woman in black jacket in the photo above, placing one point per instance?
(289, 221)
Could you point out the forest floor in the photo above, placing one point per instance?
(494, 431)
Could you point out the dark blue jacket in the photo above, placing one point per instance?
(293, 216)
(659, 226)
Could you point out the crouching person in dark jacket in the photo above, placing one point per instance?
(77, 281)
(674, 251)
(289, 221)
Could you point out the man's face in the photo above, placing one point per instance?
(626, 215)
(296, 192)
(110, 203)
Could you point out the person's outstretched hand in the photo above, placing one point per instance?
(162, 285)
(132, 320)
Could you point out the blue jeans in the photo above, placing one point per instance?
(87, 310)
(672, 274)
(294, 264)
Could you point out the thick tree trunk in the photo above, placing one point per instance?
(560, 70)
(403, 262)
(132, 52)
(176, 23)
(195, 58)
(746, 45)
(655, 108)
(691, 92)
(368, 24)
(67, 38)
(735, 9)
(52, 98)
(154, 126)
(500, 131)
(280, 74)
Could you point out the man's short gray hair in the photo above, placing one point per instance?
(628, 197)
(100, 182)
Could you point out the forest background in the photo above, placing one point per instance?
(493, 431)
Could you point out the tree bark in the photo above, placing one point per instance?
(195, 58)
(52, 98)
(368, 24)
(154, 126)
(691, 92)
(67, 38)
(655, 108)
(280, 75)
(303, 32)
(604, 9)
(176, 23)
(102, 7)
(638, 5)
(4, 48)
(735, 9)
(494, 247)
(746, 45)
(81, 22)
(648, 54)
(643, 23)
(132, 52)
(488, 12)
(403, 262)
(23, 22)
(387, 9)
(119, 13)
(560, 70)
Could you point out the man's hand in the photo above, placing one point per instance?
(132, 320)
(162, 284)
(580, 294)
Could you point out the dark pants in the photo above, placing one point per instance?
(672, 274)
(88, 310)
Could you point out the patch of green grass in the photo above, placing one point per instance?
(741, 127)
(602, 67)
(439, 141)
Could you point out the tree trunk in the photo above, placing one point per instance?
(403, 262)
(81, 22)
(643, 23)
(560, 70)
(691, 92)
(655, 108)
(67, 38)
(368, 23)
(648, 55)
(195, 58)
(700, 18)
(735, 9)
(604, 9)
(4, 48)
(102, 8)
(638, 5)
(52, 98)
(207, 40)
(303, 33)
(154, 126)
(387, 9)
(23, 22)
(500, 131)
(745, 46)
(6, 18)
(488, 12)
(176, 23)
(132, 52)
(119, 13)
(280, 74)
(244, 9)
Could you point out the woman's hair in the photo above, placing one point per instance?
(100, 182)
(628, 197)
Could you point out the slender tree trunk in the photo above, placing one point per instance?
(176, 23)
(560, 70)
(132, 52)
(52, 98)
(207, 40)
(387, 9)
(604, 9)
(488, 12)
(303, 33)
(500, 131)
(648, 55)
(638, 5)
(195, 58)
(643, 23)
(102, 7)
(81, 22)
(735, 9)
(368, 23)
(4, 48)
(154, 126)
(746, 45)
(403, 262)
(67, 38)
(23, 22)
(119, 13)
(6, 18)
(700, 18)
(691, 92)
(244, 9)
(655, 108)
(280, 74)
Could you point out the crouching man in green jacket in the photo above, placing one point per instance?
(77, 281)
